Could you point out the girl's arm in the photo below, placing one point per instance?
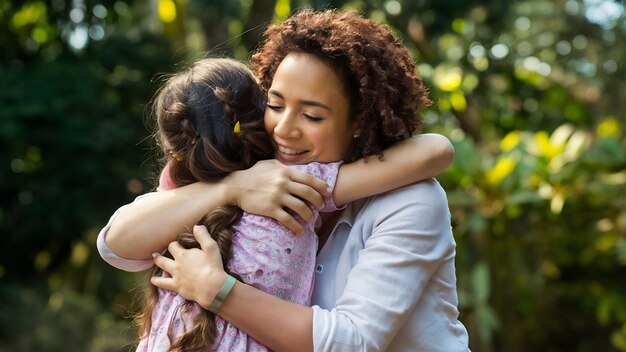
(418, 158)
(149, 224)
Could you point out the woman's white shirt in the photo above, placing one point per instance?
(385, 279)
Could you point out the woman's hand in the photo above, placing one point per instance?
(197, 274)
(269, 188)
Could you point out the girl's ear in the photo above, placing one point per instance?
(165, 179)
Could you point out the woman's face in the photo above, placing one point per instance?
(307, 112)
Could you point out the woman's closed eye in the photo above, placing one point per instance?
(274, 107)
(312, 118)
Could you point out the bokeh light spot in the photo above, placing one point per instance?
(96, 32)
(29, 14)
(502, 169)
(448, 79)
(282, 9)
(499, 51)
(77, 15)
(608, 127)
(522, 23)
(563, 47)
(610, 66)
(580, 42)
(134, 186)
(17, 165)
(167, 11)
(40, 35)
(510, 141)
(99, 11)
(393, 7)
(79, 37)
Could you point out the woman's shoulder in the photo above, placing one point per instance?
(407, 216)
(428, 192)
(423, 204)
(425, 200)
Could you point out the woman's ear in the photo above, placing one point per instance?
(356, 131)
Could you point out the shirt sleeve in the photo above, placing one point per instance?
(406, 236)
(115, 260)
(326, 172)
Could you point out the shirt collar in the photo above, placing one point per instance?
(347, 215)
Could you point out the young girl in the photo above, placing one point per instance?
(210, 123)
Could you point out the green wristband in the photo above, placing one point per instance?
(221, 295)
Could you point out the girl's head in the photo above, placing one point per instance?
(374, 71)
(209, 124)
(197, 111)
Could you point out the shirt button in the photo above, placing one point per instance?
(319, 268)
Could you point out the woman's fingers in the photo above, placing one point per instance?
(166, 283)
(175, 249)
(168, 265)
(190, 267)
(163, 262)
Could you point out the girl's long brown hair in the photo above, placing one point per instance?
(196, 111)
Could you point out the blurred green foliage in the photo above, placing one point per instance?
(528, 91)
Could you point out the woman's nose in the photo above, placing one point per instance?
(287, 126)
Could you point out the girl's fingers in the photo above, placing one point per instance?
(286, 219)
(298, 206)
(313, 182)
(306, 193)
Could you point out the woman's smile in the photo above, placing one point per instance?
(288, 155)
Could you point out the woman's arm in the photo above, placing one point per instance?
(245, 306)
(150, 223)
(418, 158)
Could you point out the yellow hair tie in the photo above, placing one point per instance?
(176, 156)
(237, 128)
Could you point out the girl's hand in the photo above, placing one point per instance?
(269, 188)
(196, 274)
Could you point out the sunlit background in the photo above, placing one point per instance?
(532, 94)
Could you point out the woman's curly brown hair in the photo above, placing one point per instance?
(376, 69)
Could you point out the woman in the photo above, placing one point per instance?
(385, 275)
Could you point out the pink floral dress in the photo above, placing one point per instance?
(267, 256)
